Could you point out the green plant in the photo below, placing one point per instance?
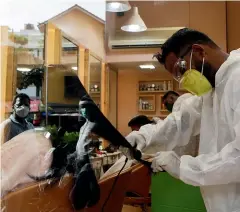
(53, 130)
(35, 77)
(69, 137)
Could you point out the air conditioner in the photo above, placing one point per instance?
(151, 38)
(136, 44)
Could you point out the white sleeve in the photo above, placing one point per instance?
(177, 128)
(214, 169)
(223, 167)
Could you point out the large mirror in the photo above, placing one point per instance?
(95, 79)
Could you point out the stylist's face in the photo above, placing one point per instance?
(178, 65)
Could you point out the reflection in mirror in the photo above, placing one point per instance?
(69, 54)
(63, 98)
(95, 80)
(29, 67)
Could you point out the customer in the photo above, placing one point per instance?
(17, 122)
(204, 69)
(138, 121)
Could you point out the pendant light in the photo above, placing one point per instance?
(134, 23)
(117, 6)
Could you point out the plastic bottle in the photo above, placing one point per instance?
(140, 104)
(169, 85)
(164, 86)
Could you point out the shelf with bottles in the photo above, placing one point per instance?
(146, 103)
(162, 106)
(94, 88)
(155, 86)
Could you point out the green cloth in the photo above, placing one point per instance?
(172, 195)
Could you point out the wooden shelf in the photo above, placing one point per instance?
(146, 110)
(142, 92)
(154, 97)
(98, 92)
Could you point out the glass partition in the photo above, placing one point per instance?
(95, 79)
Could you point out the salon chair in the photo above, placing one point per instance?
(46, 198)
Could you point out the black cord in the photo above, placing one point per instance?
(114, 183)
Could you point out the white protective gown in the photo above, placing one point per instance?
(217, 168)
(178, 131)
(167, 134)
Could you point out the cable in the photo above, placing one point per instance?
(114, 183)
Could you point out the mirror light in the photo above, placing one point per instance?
(134, 23)
(117, 6)
(147, 66)
(23, 69)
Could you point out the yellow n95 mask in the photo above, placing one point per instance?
(194, 81)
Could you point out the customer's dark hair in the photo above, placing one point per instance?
(168, 93)
(139, 120)
(181, 39)
(22, 96)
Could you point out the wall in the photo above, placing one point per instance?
(233, 29)
(127, 93)
(210, 18)
(84, 30)
(112, 113)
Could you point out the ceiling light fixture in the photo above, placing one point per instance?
(147, 66)
(24, 69)
(134, 23)
(117, 6)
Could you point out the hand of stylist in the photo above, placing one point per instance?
(136, 140)
(168, 161)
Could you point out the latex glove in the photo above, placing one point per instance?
(168, 161)
(136, 140)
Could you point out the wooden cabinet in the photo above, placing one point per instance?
(150, 94)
